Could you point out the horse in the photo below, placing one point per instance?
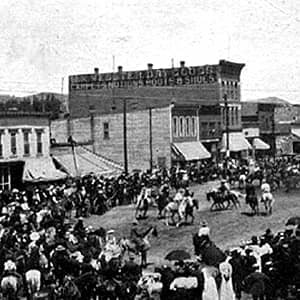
(222, 203)
(143, 202)
(219, 202)
(10, 287)
(252, 201)
(131, 247)
(33, 281)
(209, 253)
(268, 200)
(69, 290)
(186, 209)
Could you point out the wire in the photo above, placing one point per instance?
(282, 10)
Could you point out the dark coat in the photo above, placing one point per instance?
(256, 283)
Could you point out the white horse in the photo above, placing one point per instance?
(268, 200)
(33, 281)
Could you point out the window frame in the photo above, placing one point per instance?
(39, 142)
(106, 135)
(175, 122)
(187, 126)
(13, 142)
(26, 142)
(181, 126)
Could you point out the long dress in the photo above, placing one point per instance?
(226, 289)
(210, 291)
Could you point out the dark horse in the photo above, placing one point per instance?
(220, 202)
(210, 254)
(252, 201)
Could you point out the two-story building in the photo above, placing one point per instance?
(24, 149)
(180, 108)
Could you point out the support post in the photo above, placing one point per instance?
(150, 139)
(125, 136)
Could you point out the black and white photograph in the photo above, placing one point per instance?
(149, 150)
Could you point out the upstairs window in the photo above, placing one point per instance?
(13, 142)
(106, 131)
(1, 145)
(26, 142)
(181, 126)
(175, 126)
(194, 126)
(39, 142)
(187, 126)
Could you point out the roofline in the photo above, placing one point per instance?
(24, 114)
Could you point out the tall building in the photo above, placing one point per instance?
(196, 103)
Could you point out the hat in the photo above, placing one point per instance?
(111, 231)
(60, 248)
(204, 224)
(34, 236)
(9, 265)
(223, 180)
(15, 190)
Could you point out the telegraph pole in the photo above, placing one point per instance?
(125, 136)
(150, 138)
(226, 130)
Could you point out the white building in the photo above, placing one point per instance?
(25, 149)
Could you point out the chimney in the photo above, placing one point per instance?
(182, 64)
(150, 66)
(96, 70)
(120, 69)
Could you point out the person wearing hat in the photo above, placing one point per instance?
(224, 188)
(110, 237)
(204, 229)
(257, 284)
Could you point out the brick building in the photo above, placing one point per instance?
(187, 107)
(24, 149)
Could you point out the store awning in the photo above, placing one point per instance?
(41, 170)
(191, 150)
(85, 162)
(296, 132)
(237, 142)
(259, 144)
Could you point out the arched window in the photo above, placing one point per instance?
(175, 126)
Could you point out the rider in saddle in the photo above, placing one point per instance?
(110, 237)
(224, 188)
(179, 196)
(137, 236)
(249, 189)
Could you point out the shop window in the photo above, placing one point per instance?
(106, 131)
(4, 178)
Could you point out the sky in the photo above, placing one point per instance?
(43, 42)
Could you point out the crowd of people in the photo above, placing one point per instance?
(42, 249)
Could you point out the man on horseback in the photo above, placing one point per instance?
(267, 198)
(137, 238)
(224, 188)
(251, 198)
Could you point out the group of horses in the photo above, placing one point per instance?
(172, 211)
